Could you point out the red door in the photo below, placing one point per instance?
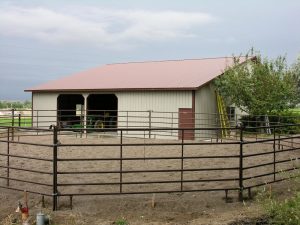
(186, 120)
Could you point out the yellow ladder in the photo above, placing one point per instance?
(224, 121)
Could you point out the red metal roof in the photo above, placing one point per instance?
(187, 74)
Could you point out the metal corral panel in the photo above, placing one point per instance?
(161, 110)
(206, 110)
(46, 104)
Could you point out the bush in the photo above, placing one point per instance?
(252, 123)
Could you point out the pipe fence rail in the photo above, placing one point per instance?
(71, 118)
(54, 162)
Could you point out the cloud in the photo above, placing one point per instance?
(100, 26)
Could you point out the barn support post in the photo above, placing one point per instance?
(55, 192)
(241, 179)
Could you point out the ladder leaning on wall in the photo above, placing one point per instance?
(223, 117)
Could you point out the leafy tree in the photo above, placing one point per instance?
(27, 104)
(296, 71)
(260, 86)
(15, 104)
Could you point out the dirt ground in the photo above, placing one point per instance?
(175, 208)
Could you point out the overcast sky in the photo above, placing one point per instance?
(46, 40)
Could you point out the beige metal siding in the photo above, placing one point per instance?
(163, 105)
(155, 109)
(206, 110)
(46, 104)
(163, 101)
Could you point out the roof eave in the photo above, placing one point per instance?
(114, 89)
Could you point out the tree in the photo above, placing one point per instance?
(27, 104)
(296, 71)
(260, 86)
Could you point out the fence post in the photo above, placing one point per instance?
(279, 138)
(274, 154)
(127, 121)
(32, 116)
(19, 119)
(121, 160)
(12, 123)
(8, 161)
(55, 192)
(182, 146)
(172, 124)
(241, 179)
(150, 123)
(81, 121)
(37, 121)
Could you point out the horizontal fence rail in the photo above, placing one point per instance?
(72, 118)
(61, 161)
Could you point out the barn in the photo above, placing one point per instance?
(171, 93)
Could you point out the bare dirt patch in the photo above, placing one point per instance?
(173, 208)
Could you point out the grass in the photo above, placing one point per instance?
(121, 222)
(296, 110)
(282, 211)
(25, 122)
(285, 212)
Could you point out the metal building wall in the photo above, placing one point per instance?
(46, 103)
(164, 104)
(206, 110)
(153, 109)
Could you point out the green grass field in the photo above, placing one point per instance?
(25, 122)
(296, 110)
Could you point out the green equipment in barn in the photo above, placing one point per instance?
(96, 121)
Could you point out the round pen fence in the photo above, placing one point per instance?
(70, 162)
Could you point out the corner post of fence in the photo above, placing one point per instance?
(182, 147)
(121, 160)
(55, 146)
(8, 160)
(12, 123)
(150, 122)
(241, 179)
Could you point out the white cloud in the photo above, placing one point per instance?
(102, 27)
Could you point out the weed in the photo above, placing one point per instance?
(284, 212)
(9, 220)
(121, 222)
